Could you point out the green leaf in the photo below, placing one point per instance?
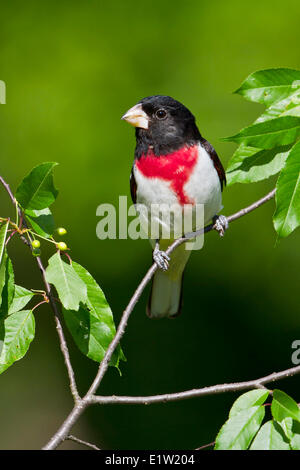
(41, 221)
(3, 233)
(37, 190)
(21, 298)
(3, 256)
(92, 327)
(269, 86)
(284, 406)
(247, 400)
(249, 165)
(70, 288)
(274, 132)
(16, 333)
(287, 214)
(270, 437)
(238, 431)
(9, 287)
(291, 430)
(295, 438)
(2, 276)
(289, 106)
(287, 426)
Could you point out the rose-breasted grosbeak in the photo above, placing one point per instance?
(173, 163)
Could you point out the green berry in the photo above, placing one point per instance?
(61, 231)
(36, 244)
(62, 246)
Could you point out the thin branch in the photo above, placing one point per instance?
(62, 341)
(80, 441)
(206, 446)
(61, 336)
(120, 330)
(198, 392)
(7, 188)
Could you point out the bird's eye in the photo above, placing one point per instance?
(161, 114)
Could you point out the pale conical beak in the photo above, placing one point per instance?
(137, 117)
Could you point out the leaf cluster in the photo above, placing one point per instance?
(245, 429)
(271, 144)
(85, 309)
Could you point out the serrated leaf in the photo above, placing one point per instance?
(92, 327)
(270, 437)
(2, 276)
(287, 214)
(3, 234)
(291, 429)
(238, 431)
(289, 106)
(37, 190)
(249, 164)
(70, 288)
(295, 438)
(283, 406)
(3, 256)
(21, 298)
(287, 426)
(41, 221)
(8, 288)
(247, 400)
(16, 333)
(269, 86)
(265, 135)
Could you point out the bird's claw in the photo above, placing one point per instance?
(220, 224)
(161, 259)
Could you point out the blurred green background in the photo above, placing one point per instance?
(71, 70)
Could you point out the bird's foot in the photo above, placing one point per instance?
(161, 259)
(220, 224)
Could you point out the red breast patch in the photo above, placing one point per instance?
(175, 167)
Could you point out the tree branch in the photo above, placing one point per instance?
(80, 441)
(61, 336)
(195, 393)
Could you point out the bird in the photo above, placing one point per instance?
(173, 164)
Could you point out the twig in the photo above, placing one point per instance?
(197, 392)
(61, 336)
(80, 441)
(206, 446)
(62, 341)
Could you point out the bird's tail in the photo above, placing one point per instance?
(166, 296)
(166, 293)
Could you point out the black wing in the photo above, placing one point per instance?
(216, 161)
(132, 187)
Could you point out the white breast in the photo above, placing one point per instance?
(203, 187)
